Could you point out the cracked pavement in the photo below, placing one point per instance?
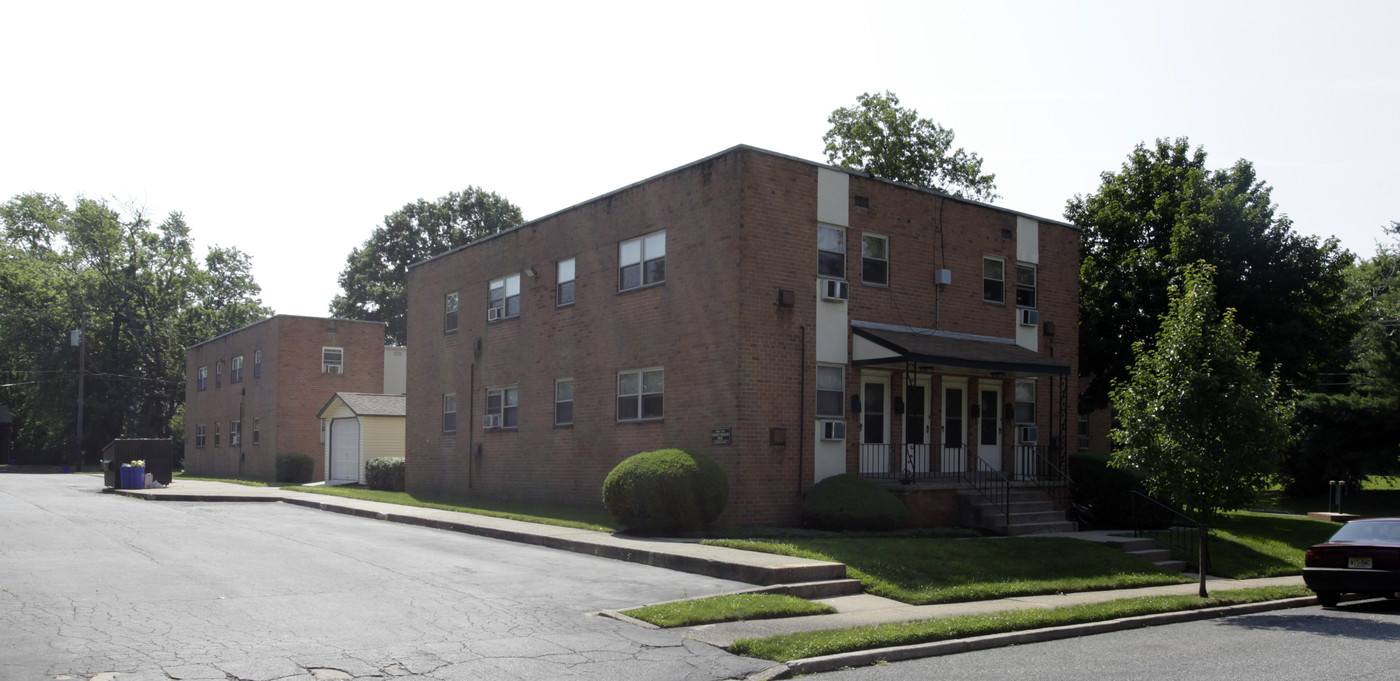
(98, 586)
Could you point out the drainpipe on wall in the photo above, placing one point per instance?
(801, 410)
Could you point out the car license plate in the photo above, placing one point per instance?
(1362, 563)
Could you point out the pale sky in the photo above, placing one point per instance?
(290, 129)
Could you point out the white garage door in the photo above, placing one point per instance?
(345, 451)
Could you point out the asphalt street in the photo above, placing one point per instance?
(1357, 641)
(93, 583)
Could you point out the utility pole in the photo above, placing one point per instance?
(80, 339)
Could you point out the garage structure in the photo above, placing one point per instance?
(357, 427)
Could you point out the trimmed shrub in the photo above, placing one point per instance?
(666, 490)
(1105, 490)
(295, 468)
(385, 472)
(851, 502)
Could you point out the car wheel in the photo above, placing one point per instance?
(1329, 599)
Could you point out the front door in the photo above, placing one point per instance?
(954, 454)
(916, 426)
(989, 425)
(874, 424)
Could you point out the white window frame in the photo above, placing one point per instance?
(647, 254)
(825, 230)
(564, 276)
(506, 407)
(559, 400)
(1022, 385)
(987, 279)
(449, 412)
(637, 390)
(504, 295)
(327, 363)
(200, 436)
(451, 303)
(216, 435)
(203, 380)
(257, 364)
(235, 432)
(865, 257)
(257, 439)
(832, 373)
(235, 370)
(1033, 287)
(219, 374)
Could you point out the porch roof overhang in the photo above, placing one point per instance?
(880, 344)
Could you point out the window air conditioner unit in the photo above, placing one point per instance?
(1029, 317)
(332, 368)
(492, 314)
(833, 289)
(1029, 434)
(491, 421)
(833, 430)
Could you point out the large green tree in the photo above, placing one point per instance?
(374, 281)
(1163, 210)
(144, 298)
(1196, 414)
(1378, 345)
(879, 137)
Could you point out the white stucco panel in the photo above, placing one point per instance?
(830, 456)
(1027, 240)
(862, 349)
(831, 328)
(833, 197)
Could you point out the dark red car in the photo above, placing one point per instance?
(1363, 557)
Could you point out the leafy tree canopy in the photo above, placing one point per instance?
(145, 297)
(1195, 414)
(374, 281)
(1378, 344)
(1163, 211)
(878, 137)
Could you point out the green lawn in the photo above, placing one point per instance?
(924, 571)
(598, 520)
(832, 641)
(180, 475)
(1248, 544)
(729, 608)
(1378, 496)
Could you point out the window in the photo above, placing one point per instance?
(216, 435)
(235, 370)
(1025, 286)
(449, 314)
(235, 432)
(640, 393)
(502, 408)
(564, 289)
(449, 413)
(199, 436)
(831, 251)
(641, 261)
(257, 363)
(1083, 432)
(505, 298)
(203, 377)
(219, 373)
(256, 434)
(993, 280)
(831, 392)
(332, 360)
(564, 402)
(875, 259)
(1025, 402)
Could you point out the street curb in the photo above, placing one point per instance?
(147, 496)
(861, 658)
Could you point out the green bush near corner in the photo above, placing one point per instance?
(851, 502)
(385, 473)
(295, 468)
(666, 490)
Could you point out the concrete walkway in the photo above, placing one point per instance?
(771, 572)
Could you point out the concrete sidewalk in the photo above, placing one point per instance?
(808, 578)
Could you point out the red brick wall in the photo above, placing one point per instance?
(285, 399)
(740, 226)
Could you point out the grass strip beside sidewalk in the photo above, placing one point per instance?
(797, 646)
(730, 608)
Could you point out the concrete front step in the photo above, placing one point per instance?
(1040, 528)
(1171, 565)
(830, 588)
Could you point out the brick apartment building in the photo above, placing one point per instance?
(254, 393)
(792, 320)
